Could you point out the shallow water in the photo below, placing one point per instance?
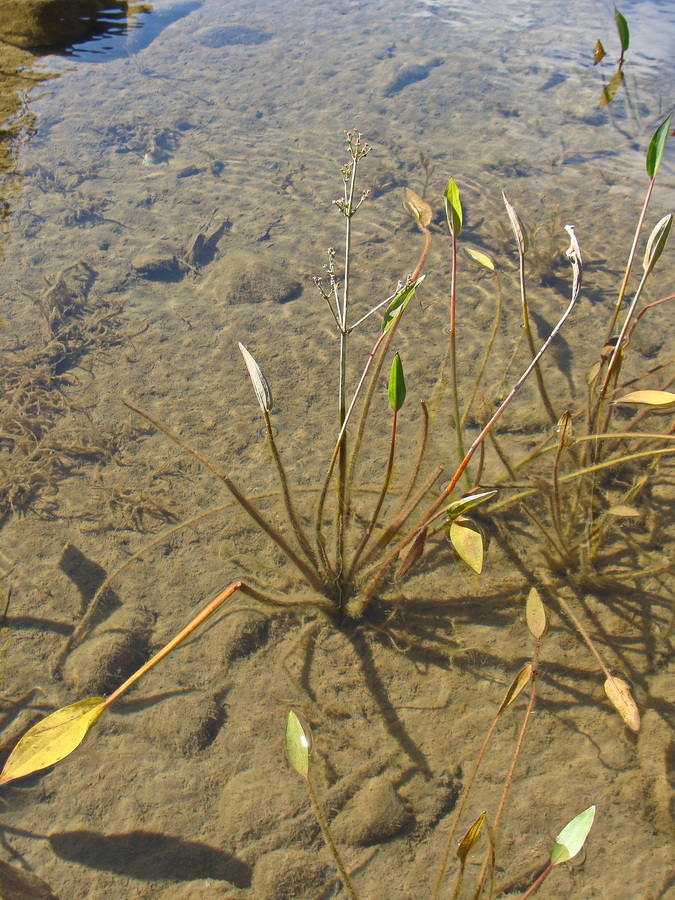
(230, 124)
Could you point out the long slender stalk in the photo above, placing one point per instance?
(201, 617)
(330, 843)
(380, 500)
(358, 606)
(291, 512)
(310, 574)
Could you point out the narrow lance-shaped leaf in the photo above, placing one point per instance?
(516, 224)
(453, 207)
(260, 385)
(657, 242)
(472, 834)
(535, 615)
(599, 53)
(481, 258)
(622, 28)
(399, 303)
(298, 744)
(620, 696)
(52, 739)
(516, 687)
(657, 147)
(573, 837)
(467, 540)
(396, 384)
(464, 504)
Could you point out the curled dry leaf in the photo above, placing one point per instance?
(619, 694)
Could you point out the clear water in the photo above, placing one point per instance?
(229, 121)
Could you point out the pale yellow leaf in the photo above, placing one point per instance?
(519, 682)
(468, 542)
(481, 258)
(619, 694)
(623, 512)
(535, 614)
(52, 739)
(298, 744)
(419, 209)
(664, 400)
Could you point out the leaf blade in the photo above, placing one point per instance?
(573, 837)
(52, 739)
(657, 147)
(453, 207)
(397, 389)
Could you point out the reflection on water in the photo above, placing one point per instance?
(178, 200)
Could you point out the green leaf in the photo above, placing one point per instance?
(481, 258)
(399, 303)
(599, 53)
(573, 837)
(464, 504)
(52, 739)
(260, 385)
(609, 91)
(535, 615)
(657, 147)
(657, 243)
(467, 540)
(622, 28)
(453, 207)
(298, 744)
(396, 384)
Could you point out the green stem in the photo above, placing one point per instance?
(330, 843)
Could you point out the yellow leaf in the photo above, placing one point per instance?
(468, 542)
(664, 400)
(419, 209)
(298, 744)
(624, 512)
(598, 53)
(609, 92)
(535, 614)
(619, 694)
(52, 739)
(481, 258)
(470, 838)
(516, 686)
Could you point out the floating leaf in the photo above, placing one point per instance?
(464, 504)
(573, 837)
(516, 687)
(396, 384)
(622, 28)
(399, 303)
(453, 207)
(624, 512)
(609, 91)
(516, 225)
(419, 209)
(52, 739)
(17, 884)
(260, 385)
(481, 258)
(663, 400)
(468, 841)
(657, 242)
(467, 540)
(598, 53)
(410, 555)
(657, 147)
(535, 615)
(620, 696)
(298, 744)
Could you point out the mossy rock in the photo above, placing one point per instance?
(31, 24)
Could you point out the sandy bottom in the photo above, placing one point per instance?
(167, 213)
